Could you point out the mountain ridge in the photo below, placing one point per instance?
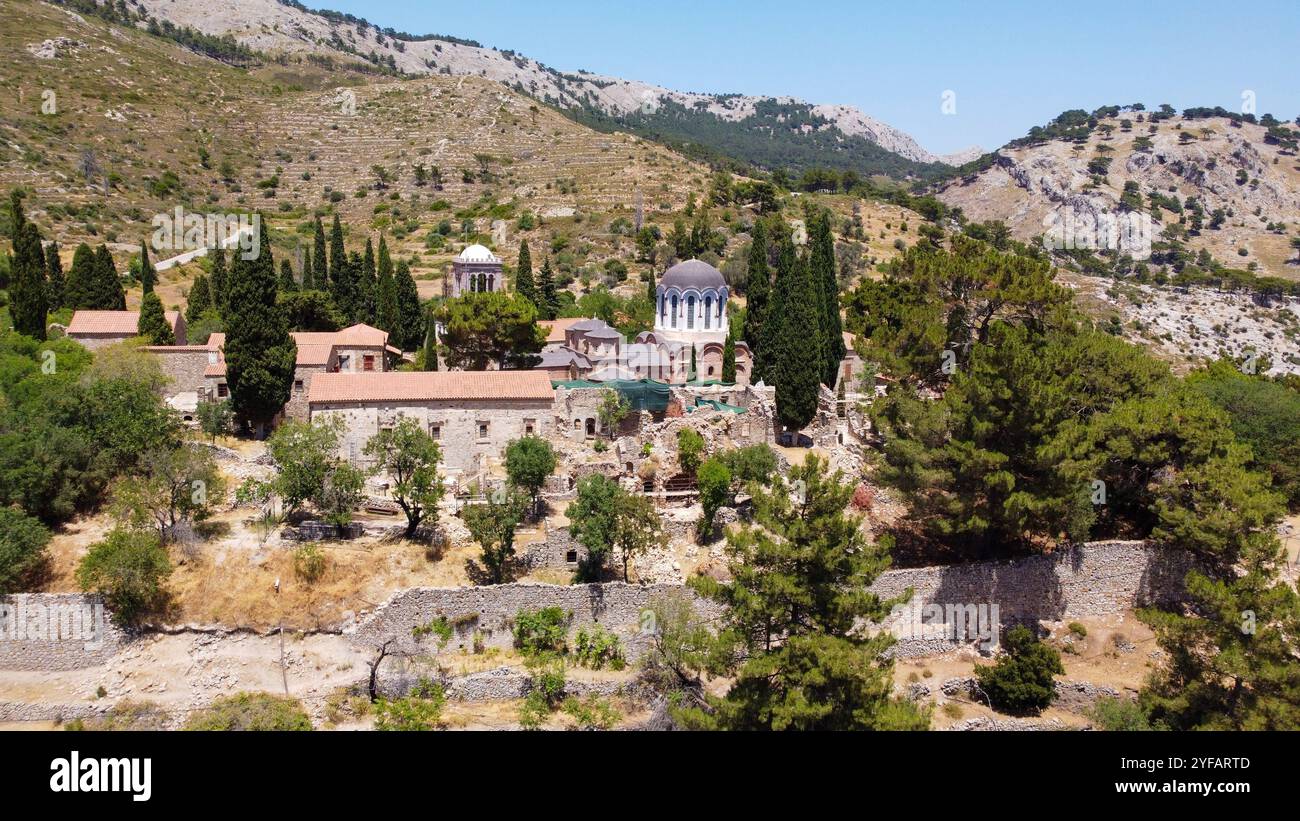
(288, 28)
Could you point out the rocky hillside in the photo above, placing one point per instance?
(1183, 172)
(811, 134)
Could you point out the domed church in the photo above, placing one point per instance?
(476, 270)
(691, 312)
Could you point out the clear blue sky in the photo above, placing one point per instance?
(1011, 65)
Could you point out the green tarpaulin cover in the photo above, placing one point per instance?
(641, 395)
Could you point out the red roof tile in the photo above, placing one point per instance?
(112, 323)
(417, 386)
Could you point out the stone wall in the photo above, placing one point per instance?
(486, 614)
(1093, 579)
(55, 631)
(184, 366)
(457, 423)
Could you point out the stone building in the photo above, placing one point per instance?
(97, 329)
(691, 304)
(592, 349)
(473, 415)
(476, 270)
(198, 372)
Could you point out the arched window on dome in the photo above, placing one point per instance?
(708, 311)
(690, 312)
(663, 305)
(721, 303)
(674, 310)
(492, 282)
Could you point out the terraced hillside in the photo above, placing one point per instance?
(1223, 166)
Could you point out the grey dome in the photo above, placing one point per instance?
(693, 274)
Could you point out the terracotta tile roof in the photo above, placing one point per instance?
(555, 328)
(416, 386)
(112, 323)
(311, 354)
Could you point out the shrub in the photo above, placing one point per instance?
(1078, 630)
(251, 711)
(690, 449)
(22, 546)
(545, 696)
(309, 563)
(128, 568)
(598, 647)
(420, 711)
(1120, 715)
(1022, 680)
(541, 631)
(592, 713)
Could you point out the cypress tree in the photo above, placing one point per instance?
(55, 284)
(287, 283)
(822, 264)
(217, 279)
(729, 359)
(153, 321)
(651, 292)
(340, 281)
(524, 284)
(17, 219)
(768, 332)
(308, 281)
(106, 290)
(550, 307)
(386, 312)
(319, 267)
(363, 295)
(367, 287)
(758, 290)
(259, 352)
(200, 298)
(81, 278)
(430, 343)
(28, 295)
(410, 323)
(796, 360)
(148, 276)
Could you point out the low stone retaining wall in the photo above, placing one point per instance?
(55, 631)
(485, 615)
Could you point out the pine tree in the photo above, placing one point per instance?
(106, 293)
(410, 320)
(340, 279)
(308, 280)
(55, 284)
(28, 290)
(80, 287)
(524, 283)
(550, 307)
(790, 639)
(729, 359)
(758, 288)
(795, 350)
(259, 352)
(199, 300)
(430, 343)
(148, 276)
(287, 283)
(217, 279)
(822, 263)
(152, 324)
